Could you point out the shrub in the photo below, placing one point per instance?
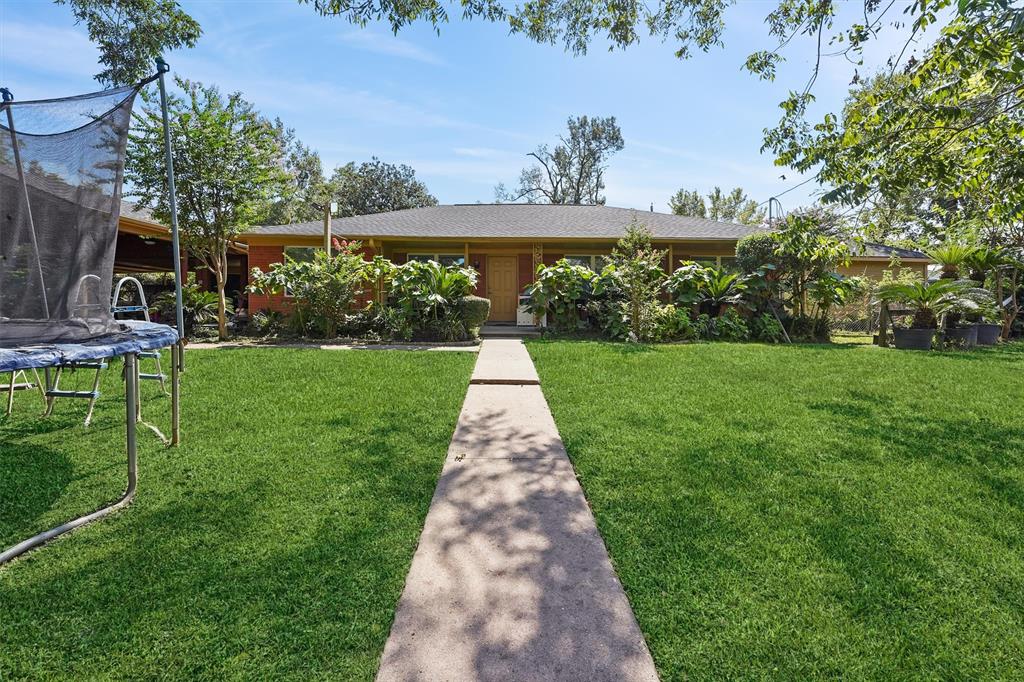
(558, 290)
(324, 288)
(266, 322)
(730, 326)
(198, 307)
(755, 251)
(673, 324)
(474, 311)
(430, 291)
(634, 276)
(765, 327)
(388, 323)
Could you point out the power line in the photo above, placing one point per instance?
(785, 191)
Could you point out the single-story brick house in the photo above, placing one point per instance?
(506, 242)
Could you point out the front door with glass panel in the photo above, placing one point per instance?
(502, 287)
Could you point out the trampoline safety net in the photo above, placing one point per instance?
(61, 168)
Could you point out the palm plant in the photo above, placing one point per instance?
(721, 288)
(930, 302)
(984, 261)
(951, 256)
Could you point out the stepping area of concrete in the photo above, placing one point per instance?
(504, 361)
(511, 579)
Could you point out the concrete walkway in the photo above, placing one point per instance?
(511, 580)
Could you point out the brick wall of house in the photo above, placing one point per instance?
(526, 273)
(262, 257)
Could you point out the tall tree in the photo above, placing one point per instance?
(228, 162)
(131, 34)
(376, 187)
(306, 191)
(688, 203)
(572, 172)
(734, 206)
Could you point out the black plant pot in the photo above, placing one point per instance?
(965, 337)
(913, 339)
(988, 334)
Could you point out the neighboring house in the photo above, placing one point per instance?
(506, 242)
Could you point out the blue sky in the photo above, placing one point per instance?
(464, 108)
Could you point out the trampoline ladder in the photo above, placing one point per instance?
(54, 391)
(142, 308)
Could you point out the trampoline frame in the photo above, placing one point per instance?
(131, 359)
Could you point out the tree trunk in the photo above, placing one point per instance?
(221, 272)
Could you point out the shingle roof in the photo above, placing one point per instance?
(516, 221)
(874, 250)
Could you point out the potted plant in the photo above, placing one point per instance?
(970, 307)
(929, 302)
(987, 319)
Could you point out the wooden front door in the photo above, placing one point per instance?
(503, 287)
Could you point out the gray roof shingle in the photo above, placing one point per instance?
(516, 221)
(875, 250)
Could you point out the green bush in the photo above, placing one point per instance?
(474, 311)
(730, 326)
(324, 289)
(755, 251)
(673, 324)
(765, 327)
(428, 290)
(558, 290)
(198, 307)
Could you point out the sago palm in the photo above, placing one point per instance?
(950, 256)
(929, 301)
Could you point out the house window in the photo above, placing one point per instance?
(301, 254)
(728, 263)
(705, 261)
(592, 262)
(446, 259)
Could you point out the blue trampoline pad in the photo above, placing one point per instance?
(136, 337)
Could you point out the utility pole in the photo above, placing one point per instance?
(327, 228)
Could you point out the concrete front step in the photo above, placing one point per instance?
(503, 331)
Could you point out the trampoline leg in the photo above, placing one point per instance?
(177, 350)
(94, 398)
(131, 390)
(51, 387)
(10, 394)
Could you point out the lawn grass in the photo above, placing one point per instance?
(272, 544)
(796, 512)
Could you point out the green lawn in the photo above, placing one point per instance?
(273, 543)
(809, 511)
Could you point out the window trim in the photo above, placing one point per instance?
(593, 259)
(436, 256)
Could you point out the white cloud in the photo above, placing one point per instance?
(40, 47)
(479, 152)
(392, 46)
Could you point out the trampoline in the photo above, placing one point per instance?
(61, 172)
